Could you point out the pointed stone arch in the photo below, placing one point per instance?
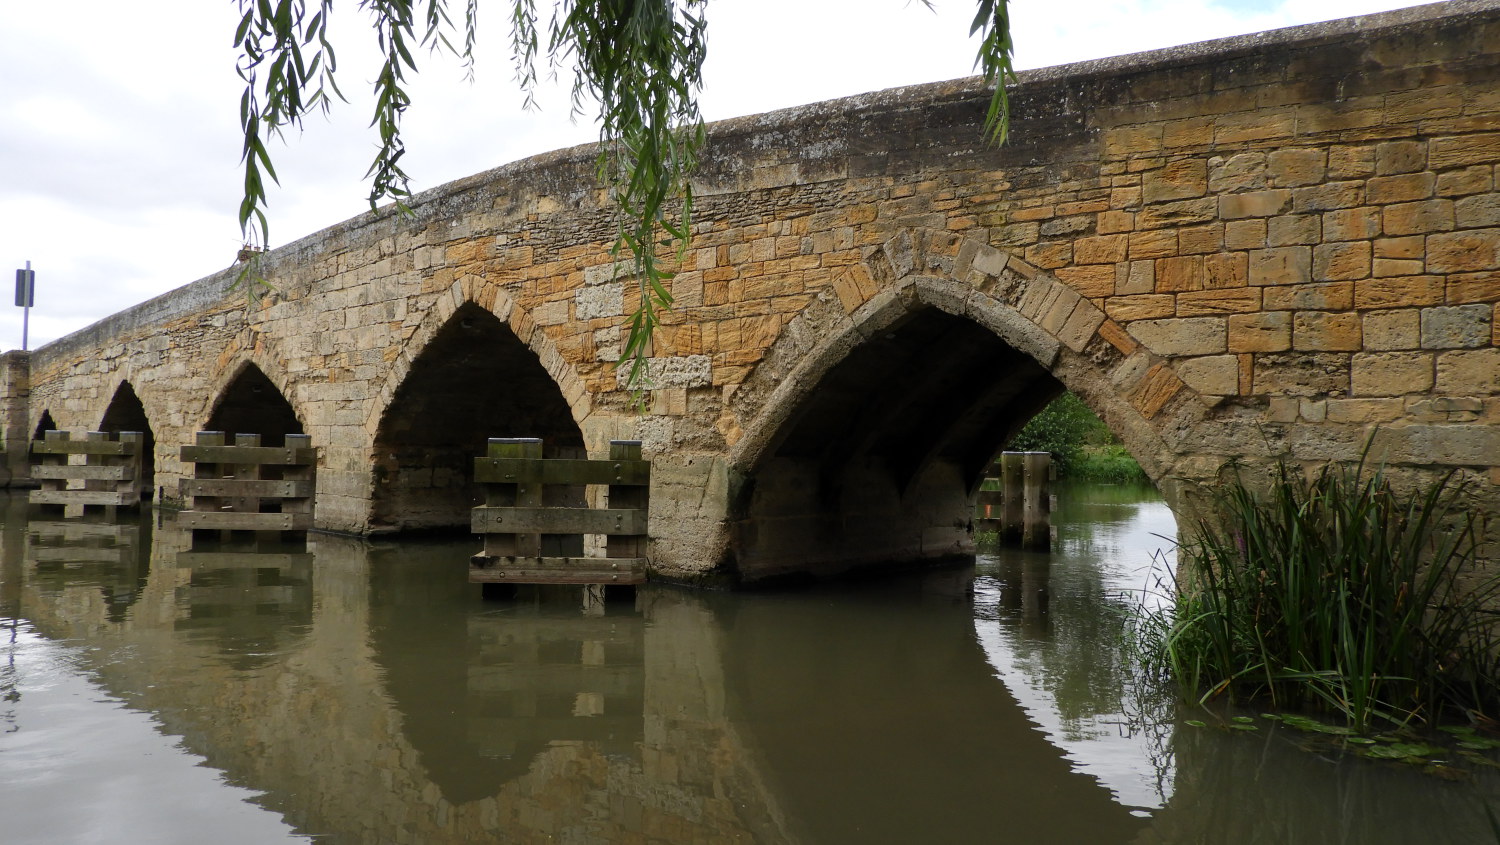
(248, 401)
(126, 412)
(870, 418)
(470, 372)
(44, 424)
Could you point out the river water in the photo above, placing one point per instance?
(154, 692)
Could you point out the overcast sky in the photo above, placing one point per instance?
(119, 144)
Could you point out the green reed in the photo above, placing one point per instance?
(1334, 590)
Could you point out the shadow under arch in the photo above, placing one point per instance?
(126, 412)
(252, 404)
(878, 410)
(473, 380)
(44, 424)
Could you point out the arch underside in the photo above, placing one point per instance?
(879, 462)
(253, 404)
(473, 381)
(127, 413)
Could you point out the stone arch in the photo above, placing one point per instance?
(250, 402)
(126, 412)
(877, 407)
(472, 290)
(466, 376)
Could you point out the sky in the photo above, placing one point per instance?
(119, 140)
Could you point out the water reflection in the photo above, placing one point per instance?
(369, 694)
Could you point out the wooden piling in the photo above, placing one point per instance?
(527, 541)
(1015, 500)
(99, 471)
(249, 487)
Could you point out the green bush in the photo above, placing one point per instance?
(1336, 591)
(1082, 447)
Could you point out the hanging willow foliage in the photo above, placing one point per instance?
(639, 61)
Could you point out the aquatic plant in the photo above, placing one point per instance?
(1334, 590)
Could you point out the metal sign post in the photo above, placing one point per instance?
(25, 298)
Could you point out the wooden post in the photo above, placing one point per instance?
(1036, 527)
(1012, 482)
(534, 523)
(520, 493)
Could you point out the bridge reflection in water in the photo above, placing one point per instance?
(370, 695)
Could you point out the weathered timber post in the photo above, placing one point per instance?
(1013, 488)
(101, 470)
(1036, 524)
(249, 487)
(1020, 510)
(527, 541)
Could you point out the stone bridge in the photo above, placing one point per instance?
(1279, 245)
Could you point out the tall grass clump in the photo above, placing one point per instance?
(1336, 591)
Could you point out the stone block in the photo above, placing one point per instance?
(1155, 390)
(1418, 218)
(1478, 179)
(1363, 411)
(1443, 444)
(1215, 375)
(1456, 326)
(1128, 309)
(1351, 161)
(1343, 261)
(1093, 280)
(1408, 187)
(1200, 240)
(1238, 173)
(1318, 296)
(1104, 249)
(1398, 292)
(1288, 265)
(1410, 246)
(1387, 267)
(1390, 373)
(1474, 287)
(1181, 336)
(1327, 197)
(1267, 331)
(1160, 243)
(1389, 330)
(1400, 157)
(1255, 204)
(1469, 373)
(1351, 224)
(1326, 331)
(1294, 229)
(1464, 150)
(1302, 374)
(595, 301)
(1136, 277)
(1226, 270)
(1174, 275)
(1207, 303)
(1296, 167)
(1245, 234)
(1464, 251)
(1181, 179)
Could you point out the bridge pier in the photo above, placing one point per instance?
(15, 418)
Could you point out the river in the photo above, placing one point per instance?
(358, 692)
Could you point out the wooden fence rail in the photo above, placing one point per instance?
(1015, 500)
(529, 539)
(101, 470)
(247, 486)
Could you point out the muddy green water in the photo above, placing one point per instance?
(154, 693)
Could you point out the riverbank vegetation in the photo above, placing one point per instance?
(1082, 448)
(1334, 592)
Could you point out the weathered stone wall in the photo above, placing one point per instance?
(1258, 247)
